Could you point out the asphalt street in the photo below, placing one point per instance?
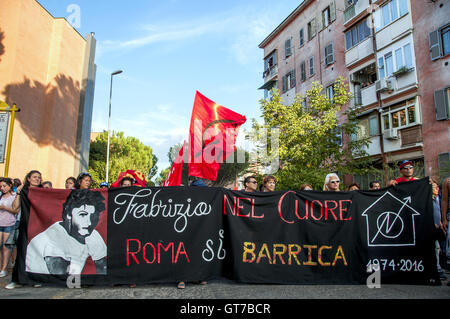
(224, 289)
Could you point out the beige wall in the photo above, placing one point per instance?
(41, 70)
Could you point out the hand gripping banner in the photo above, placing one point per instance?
(136, 235)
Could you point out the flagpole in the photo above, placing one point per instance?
(109, 123)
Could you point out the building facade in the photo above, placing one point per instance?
(47, 68)
(395, 55)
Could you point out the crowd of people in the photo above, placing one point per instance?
(13, 189)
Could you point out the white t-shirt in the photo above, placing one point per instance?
(56, 242)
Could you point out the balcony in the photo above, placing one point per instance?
(393, 31)
(355, 9)
(270, 73)
(400, 82)
(364, 88)
(270, 78)
(359, 51)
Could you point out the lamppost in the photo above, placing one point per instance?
(109, 123)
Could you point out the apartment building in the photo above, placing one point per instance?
(383, 49)
(47, 68)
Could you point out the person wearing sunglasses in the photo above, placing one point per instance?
(331, 183)
(250, 184)
(407, 171)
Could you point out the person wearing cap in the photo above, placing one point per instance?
(407, 171)
(104, 185)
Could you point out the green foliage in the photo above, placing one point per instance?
(124, 153)
(311, 135)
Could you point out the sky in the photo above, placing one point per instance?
(168, 50)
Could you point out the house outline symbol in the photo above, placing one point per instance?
(397, 215)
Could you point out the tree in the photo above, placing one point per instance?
(125, 153)
(313, 136)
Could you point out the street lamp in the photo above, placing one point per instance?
(109, 123)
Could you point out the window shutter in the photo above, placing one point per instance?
(303, 71)
(287, 47)
(444, 163)
(441, 104)
(284, 83)
(435, 45)
(302, 37)
(332, 11)
(313, 27)
(319, 21)
(329, 56)
(293, 81)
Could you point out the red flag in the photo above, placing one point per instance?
(174, 177)
(136, 175)
(212, 136)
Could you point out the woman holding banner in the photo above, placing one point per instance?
(331, 183)
(32, 179)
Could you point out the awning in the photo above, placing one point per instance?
(268, 85)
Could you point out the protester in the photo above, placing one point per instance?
(32, 179)
(47, 184)
(7, 220)
(195, 182)
(306, 187)
(354, 187)
(437, 224)
(84, 181)
(104, 185)
(12, 239)
(407, 170)
(70, 182)
(269, 183)
(445, 213)
(331, 183)
(374, 185)
(250, 184)
(16, 183)
(126, 181)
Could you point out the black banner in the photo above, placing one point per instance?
(154, 235)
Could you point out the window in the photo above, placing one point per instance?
(381, 71)
(390, 12)
(329, 54)
(357, 34)
(270, 61)
(311, 29)
(330, 92)
(395, 60)
(287, 48)
(367, 127)
(389, 64)
(401, 115)
(311, 66)
(440, 42)
(373, 125)
(289, 81)
(302, 37)
(303, 71)
(446, 41)
(326, 17)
